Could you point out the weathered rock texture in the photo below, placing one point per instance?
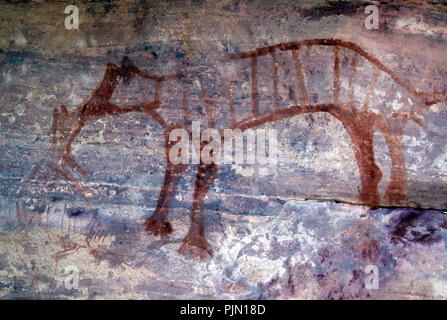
(360, 178)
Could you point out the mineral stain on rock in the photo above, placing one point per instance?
(419, 226)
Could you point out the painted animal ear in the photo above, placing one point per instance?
(125, 61)
(127, 64)
(128, 68)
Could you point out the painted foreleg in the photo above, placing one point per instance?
(195, 242)
(158, 223)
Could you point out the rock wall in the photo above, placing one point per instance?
(359, 179)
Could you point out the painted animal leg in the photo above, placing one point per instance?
(393, 130)
(158, 223)
(395, 193)
(370, 174)
(360, 128)
(195, 242)
(71, 163)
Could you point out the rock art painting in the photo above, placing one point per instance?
(356, 117)
(358, 191)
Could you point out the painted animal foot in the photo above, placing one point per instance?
(158, 227)
(195, 246)
(394, 194)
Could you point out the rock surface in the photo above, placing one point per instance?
(307, 230)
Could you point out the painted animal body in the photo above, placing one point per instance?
(280, 82)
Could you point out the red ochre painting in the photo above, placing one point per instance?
(361, 126)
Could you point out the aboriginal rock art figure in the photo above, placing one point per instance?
(295, 86)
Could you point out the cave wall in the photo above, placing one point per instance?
(307, 229)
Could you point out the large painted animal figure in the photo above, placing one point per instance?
(251, 89)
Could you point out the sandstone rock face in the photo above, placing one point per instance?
(358, 185)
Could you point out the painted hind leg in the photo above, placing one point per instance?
(370, 173)
(395, 192)
(195, 242)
